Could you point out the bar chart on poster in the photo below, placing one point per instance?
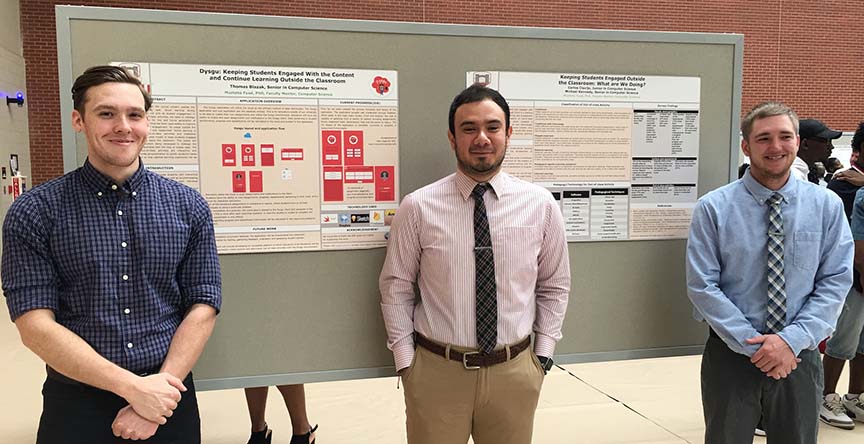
(289, 159)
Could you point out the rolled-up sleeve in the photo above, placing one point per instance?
(199, 274)
(29, 276)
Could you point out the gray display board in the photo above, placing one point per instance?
(315, 316)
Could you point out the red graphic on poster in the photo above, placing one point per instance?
(248, 154)
(229, 154)
(238, 179)
(332, 184)
(353, 147)
(381, 85)
(292, 154)
(16, 187)
(331, 147)
(359, 174)
(256, 182)
(385, 189)
(267, 153)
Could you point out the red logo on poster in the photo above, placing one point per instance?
(381, 85)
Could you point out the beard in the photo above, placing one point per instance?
(480, 167)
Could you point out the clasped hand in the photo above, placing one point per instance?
(155, 397)
(774, 357)
(130, 425)
(152, 400)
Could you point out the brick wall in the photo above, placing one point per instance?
(802, 52)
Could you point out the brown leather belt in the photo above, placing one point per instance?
(473, 360)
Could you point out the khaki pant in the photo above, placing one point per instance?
(446, 403)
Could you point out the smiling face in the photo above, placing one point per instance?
(115, 124)
(480, 140)
(772, 147)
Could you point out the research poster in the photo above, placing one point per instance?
(619, 152)
(289, 159)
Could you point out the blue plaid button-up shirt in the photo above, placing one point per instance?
(119, 264)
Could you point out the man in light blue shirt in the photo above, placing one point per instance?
(760, 358)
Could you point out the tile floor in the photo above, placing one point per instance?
(639, 401)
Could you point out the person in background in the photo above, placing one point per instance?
(742, 169)
(832, 166)
(847, 342)
(815, 146)
(294, 396)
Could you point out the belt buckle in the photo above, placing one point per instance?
(465, 361)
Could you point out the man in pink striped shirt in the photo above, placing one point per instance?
(463, 348)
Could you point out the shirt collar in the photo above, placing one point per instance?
(761, 194)
(466, 185)
(101, 184)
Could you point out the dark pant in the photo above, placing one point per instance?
(74, 413)
(735, 393)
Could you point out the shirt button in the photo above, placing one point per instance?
(99, 194)
(127, 311)
(129, 345)
(134, 193)
(125, 277)
(119, 212)
(123, 244)
(114, 187)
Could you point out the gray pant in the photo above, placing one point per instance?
(735, 394)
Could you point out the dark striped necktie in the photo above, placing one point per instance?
(486, 293)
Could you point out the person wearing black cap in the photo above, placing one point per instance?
(815, 146)
(847, 341)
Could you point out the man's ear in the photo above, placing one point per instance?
(77, 121)
(452, 140)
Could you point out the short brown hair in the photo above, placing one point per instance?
(767, 109)
(98, 75)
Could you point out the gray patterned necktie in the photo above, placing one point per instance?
(776, 281)
(486, 293)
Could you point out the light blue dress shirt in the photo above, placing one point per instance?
(727, 262)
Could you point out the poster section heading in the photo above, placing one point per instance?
(619, 152)
(266, 81)
(283, 169)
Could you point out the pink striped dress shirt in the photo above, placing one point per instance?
(432, 244)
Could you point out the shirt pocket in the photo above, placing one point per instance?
(165, 248)
(521, 246)
(806, 249)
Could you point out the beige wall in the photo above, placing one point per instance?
(14, 136)
(10, 28)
